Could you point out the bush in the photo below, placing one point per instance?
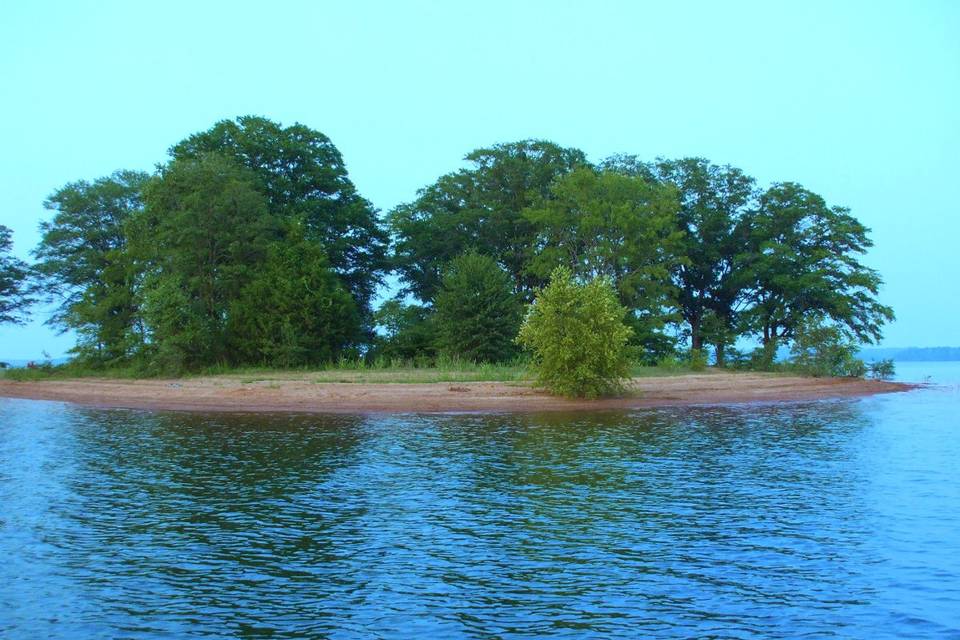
(577, 337)
(824, 350)
(697, 360)
(478, 313)
(881, 369)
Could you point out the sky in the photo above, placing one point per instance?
(858, 101)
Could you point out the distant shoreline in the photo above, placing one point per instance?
(297, 393)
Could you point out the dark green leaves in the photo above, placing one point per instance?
(14, 290)
(478, 314)
(84, 263)
(479, 208)
(302, 176)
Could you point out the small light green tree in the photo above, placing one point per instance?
(577, 337)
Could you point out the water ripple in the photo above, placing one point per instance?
(810, 520)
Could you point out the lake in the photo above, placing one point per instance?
(834, 518)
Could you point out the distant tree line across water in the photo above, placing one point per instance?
(252, 246)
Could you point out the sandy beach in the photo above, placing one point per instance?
(298, 393)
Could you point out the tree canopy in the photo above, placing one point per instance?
(85, 266)
(251, 245)
(624, 228)
(302, 176)
(804, 262)
(201, 238)
(478, 208)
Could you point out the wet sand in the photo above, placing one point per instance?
(278, 394)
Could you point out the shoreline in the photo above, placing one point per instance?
(289, 393)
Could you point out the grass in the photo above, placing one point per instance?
(343, 371)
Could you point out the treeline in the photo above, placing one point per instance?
(251, 246)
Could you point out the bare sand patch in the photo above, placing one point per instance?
(298, 393)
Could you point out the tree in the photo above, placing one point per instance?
(15, 295)
(294, 311)
(200, 239)
(407, 332)
(302, 176)
(605, 224)
(804, 262)
(577, 337)
(477, 312)
(478, 208)
(84, 265)
(714, 206)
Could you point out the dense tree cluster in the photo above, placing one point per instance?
(251, 245)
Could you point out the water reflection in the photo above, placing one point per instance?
(751, 521)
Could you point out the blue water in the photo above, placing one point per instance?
(825, 519)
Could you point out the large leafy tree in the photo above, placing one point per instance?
(201, 237)
(624, 228)
(84, 265)
(15, 295)
(715, 202)
(302, 176)
(805, 262)
(478, 208)
(477, 312)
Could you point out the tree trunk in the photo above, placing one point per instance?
(721, 359)
(696, 340)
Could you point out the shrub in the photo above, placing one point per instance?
(577, 337)
(824, 350)
(881, 369)
(697, 360)
(478, 313)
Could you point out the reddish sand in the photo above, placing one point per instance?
(280, 394)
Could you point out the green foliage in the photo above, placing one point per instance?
(253, 246)
(294, 311)
(882, 369)
(200, 240)
(84, 265)
(713, 216)
(577, 337)
(408, 333)
(478, 208)
(477, 313)
(803, 261)
(303, 177)
(823, 349)
(15, 295)
(697, 360)
(764, 357)
(616, 226)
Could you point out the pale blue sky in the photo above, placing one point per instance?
(859, 101)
